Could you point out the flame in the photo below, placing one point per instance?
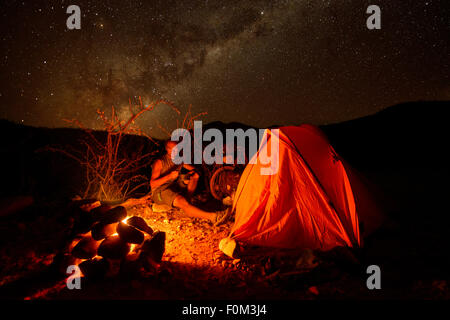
(125, 220)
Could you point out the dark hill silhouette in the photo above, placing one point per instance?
(406, 135)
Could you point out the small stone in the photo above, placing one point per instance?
(229, 247)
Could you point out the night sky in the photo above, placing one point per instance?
(258, 62)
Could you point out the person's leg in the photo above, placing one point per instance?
(191, 211)
(192, 185)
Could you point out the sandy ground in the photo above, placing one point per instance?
(193, 267)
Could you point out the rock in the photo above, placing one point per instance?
(229, 247)
(154, 248)
(94, 268)
(114, 215)
(99, 212)
(100, 230)
(139, 223)
(86, 248)
(160, 208)
(113, 248)
(129, 233)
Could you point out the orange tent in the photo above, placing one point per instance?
(314, 200)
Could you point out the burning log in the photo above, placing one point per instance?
(154, 248)
(94, 268)
(129, 233)
(113, 248)
(99, 213)
(139, 223)
(114, 215)
(86, 248)
(83, 221)
(130, 266)
(100, 230)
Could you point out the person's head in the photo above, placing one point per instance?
(169, 145)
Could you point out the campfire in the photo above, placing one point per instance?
(107, 241)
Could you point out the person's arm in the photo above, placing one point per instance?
(192, 170)
(156, 180)
(188, 167)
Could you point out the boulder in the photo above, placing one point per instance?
(139, 223)
(86, 248)
(129, 233)
(100, 230)
(113, 248)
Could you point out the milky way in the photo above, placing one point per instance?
(256, 62)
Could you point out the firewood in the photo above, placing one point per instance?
(129, 233)
(114, 215)
(139, 223)
(113, 248)
(130, 266)
(83, 221)
(99, 212)
(154, 248)
(100, 230)
(94, 268)
(86, 248)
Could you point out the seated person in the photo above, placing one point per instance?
(170, 189)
